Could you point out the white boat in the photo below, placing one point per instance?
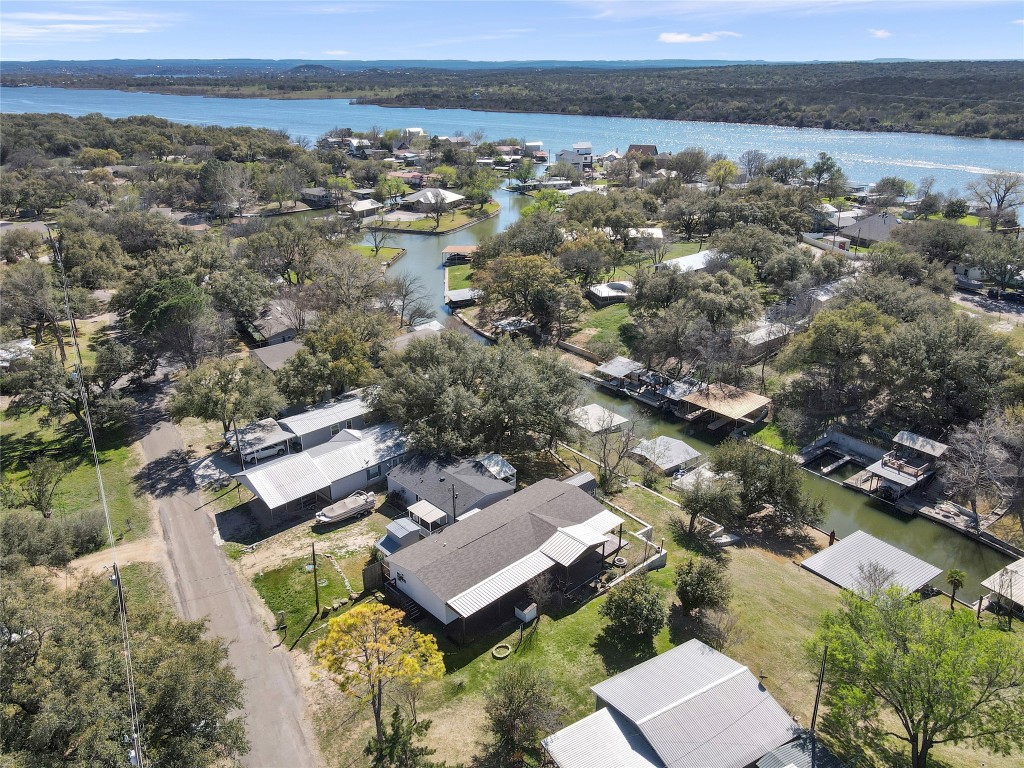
(359, 503)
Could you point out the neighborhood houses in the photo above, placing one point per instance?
(659, 458)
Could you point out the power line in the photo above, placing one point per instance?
(135, 756)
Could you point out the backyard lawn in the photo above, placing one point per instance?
(460, 217)
(23, 438)
(385, 256)
(460, 276)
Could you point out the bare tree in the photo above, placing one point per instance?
(407, 297)
(613, 449)
(380, 235)
(998, 192)
(654, 247)
(541, 589)
(873, 578)
(977, 463)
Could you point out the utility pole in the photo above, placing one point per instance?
(316, 584)
(817, 695)
(454, 497)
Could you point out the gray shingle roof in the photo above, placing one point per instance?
(464, 554)
(433, 480)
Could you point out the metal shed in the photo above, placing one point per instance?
(847, 562)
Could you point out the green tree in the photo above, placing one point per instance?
(370, 650)
(936, 676)
(635, 611)
(771, 487)
(529, 286)
(225, 391)
(702, 584)
(520, 710)
(722, 173)
(305, 378)
(955, 209)
(39, 488)
(397, 748)
(524, 171)
(712, 499)
(823, 169)
(956, 579)
(1002, 258)
(62, 691)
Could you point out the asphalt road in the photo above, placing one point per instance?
(205, 586)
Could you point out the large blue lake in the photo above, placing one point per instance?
(864, 156)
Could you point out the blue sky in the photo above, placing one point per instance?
(489, 30)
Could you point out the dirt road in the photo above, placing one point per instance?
(205, 586)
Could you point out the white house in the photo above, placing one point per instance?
(317, 425)
(692, 263)
(580, 157)
(352, 460)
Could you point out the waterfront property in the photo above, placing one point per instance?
(620, 372)
(690, 707)
(726, 404)
(595, 419)
(1007, 587)
(462, 297)
(908, 466)
(861, 563)
(471, 575)
(431, 199)
(419, 331)
(666, 454)
(458, 254)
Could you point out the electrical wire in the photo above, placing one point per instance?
(133, 706)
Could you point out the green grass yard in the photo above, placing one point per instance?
(460, 217)
(386, 254)
(23, 438)
(460, 276)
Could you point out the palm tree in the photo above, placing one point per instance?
(955, 578)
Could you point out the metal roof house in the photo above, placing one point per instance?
(666, 453)
(431, 198)
(472, 573)
(805, 752)
(438, 492)
(691, 263)
(351, 461)
(1007, 587)
(317, 425)
(909, 465)
(850, 561)
(691, 707)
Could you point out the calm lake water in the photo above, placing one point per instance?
(864, 156)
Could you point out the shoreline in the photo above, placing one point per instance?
(359, 101)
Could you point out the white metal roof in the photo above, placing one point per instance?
(666, 452)
(365, 205)
(567, 544)
(259, 434)
(1009, 582)
(501, 583)
(695, 707)
(497, 465)
(595, 418)
(427, 512)
(619, 367)
(603, 522)
(286, 479)
(603, 739)
(325, 415)
(343, 456)
(691, 263)
(893, 475)
(432, 195)
(921, 444)
(844, 564)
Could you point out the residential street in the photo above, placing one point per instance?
(204, 585)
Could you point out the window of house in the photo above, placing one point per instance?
(348, 424)
(335, 429)
(373, 472)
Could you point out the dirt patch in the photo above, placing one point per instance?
(1002, 327)
(581, 338)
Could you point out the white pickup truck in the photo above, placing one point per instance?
(359, 503)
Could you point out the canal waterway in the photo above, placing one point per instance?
(867, 156)
(952, 160)
(845, 510)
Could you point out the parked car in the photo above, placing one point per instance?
(264, 453)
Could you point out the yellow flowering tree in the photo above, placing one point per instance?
(369, 650)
